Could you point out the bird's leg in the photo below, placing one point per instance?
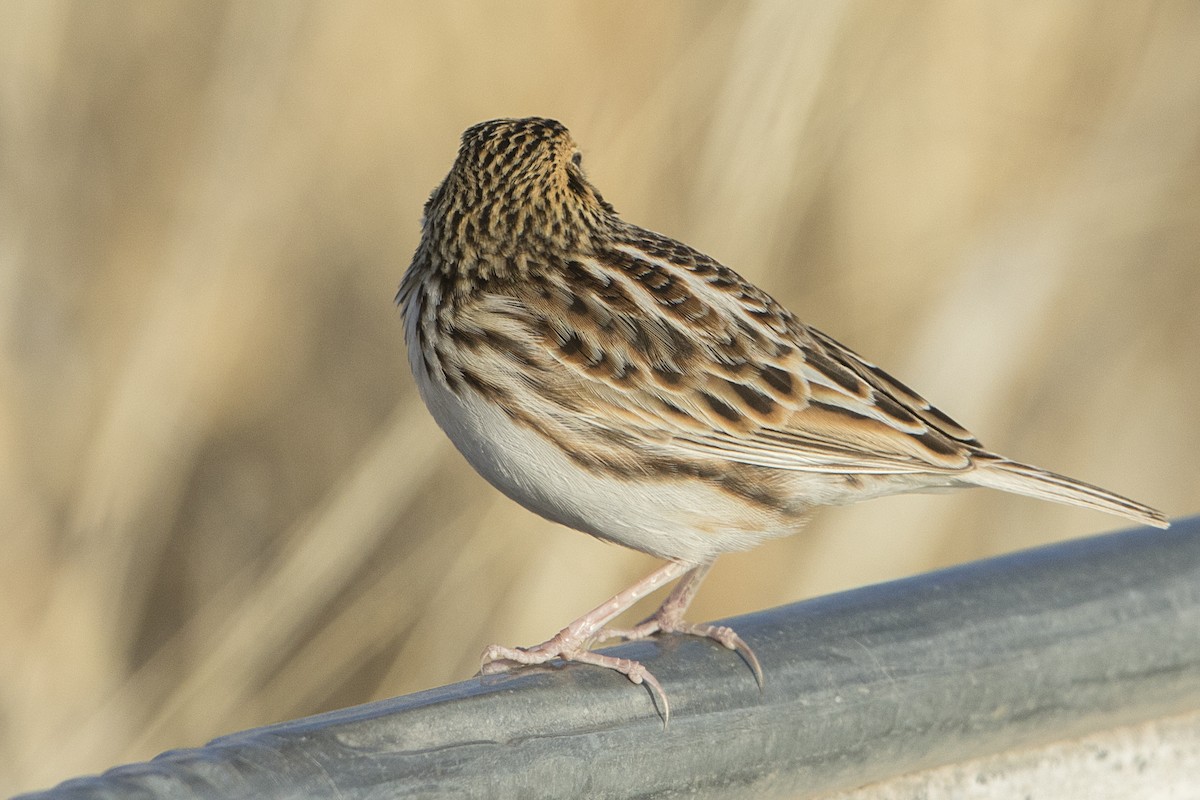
(572, 642)
(670, 614)
(669, 619)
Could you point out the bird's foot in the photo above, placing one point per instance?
(497, 658)
(670, 623)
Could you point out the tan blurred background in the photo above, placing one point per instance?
(222, 502)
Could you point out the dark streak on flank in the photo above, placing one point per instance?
(440, 358)
(489, 390)
(425, 361)
(747, 485)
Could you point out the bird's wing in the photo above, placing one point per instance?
(668, 353)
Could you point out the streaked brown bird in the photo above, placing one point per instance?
(626, 385)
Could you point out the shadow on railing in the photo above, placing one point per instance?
(1016, 651)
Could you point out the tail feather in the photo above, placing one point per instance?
(1012, 476)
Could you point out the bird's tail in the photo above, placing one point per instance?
(995, 472)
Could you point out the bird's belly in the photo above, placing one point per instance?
(679, 518)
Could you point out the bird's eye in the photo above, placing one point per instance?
(577, 158)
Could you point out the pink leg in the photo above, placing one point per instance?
(572, 642)
(669, 619)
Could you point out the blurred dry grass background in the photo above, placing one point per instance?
(222, 503)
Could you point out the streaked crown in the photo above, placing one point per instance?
(516, 181)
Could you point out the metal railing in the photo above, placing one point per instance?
(1012, 652)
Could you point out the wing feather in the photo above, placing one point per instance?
(737, 379)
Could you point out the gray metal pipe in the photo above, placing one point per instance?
(1014, 651)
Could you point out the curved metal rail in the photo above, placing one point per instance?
(1015, 651)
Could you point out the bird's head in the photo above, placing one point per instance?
(517, 180)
